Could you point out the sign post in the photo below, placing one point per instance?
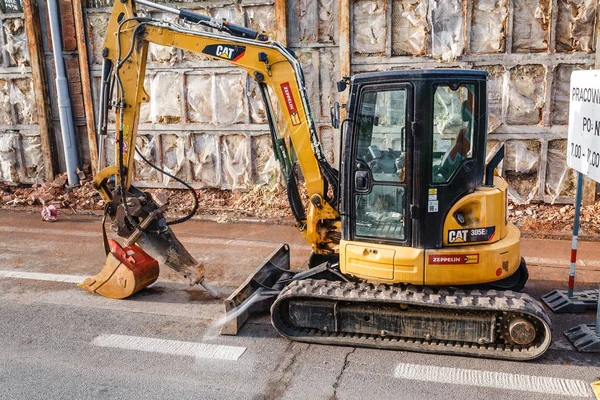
(583, 155)
(575, 234)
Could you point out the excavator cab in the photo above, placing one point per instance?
(416, 145)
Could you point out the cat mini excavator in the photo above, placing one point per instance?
(412, 248)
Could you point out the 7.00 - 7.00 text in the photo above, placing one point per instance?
(592, 157)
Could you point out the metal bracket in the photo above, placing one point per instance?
(584, 338)
(259, 291)
(560, 302)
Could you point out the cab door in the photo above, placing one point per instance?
(379, 193)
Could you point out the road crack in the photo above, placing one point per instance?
(284, 372)
(336, 384)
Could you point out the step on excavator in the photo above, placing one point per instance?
(411, 244)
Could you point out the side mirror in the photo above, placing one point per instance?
(341, 85)
(334, 112)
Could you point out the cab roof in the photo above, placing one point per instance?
(420, 74)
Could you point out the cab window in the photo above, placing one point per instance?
(453, 127)
(381, 134)
(381, 150)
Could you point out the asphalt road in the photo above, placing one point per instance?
(58, 341)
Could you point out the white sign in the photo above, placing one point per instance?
(583, 151)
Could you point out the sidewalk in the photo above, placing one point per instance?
(549, 259)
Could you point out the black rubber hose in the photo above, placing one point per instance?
(187, 185)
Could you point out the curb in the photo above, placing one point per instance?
(291, 222)
(200, 217)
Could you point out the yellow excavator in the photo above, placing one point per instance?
(411, 245)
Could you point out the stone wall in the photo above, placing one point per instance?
(20, 148)
(205, 121)
(528, 47)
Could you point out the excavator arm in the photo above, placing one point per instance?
(138, 217)
(274, 68)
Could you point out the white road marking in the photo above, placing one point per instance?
(42, 277)
(498, 380)
(176, 347)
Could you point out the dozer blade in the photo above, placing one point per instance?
(259, 291)
(126, 271)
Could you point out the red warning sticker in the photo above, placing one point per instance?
(290, 103)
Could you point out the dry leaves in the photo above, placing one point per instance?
(267, 203)
(554, 219)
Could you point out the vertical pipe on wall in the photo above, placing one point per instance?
(84, 71)
(344, 61)
(344, 43)
(280, 21)
(40, 88)
(67, 126)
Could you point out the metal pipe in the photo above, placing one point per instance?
(598, 315)
(67, 126)
(157, 6)
(102, 127)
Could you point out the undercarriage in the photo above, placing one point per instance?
(323, 306)
(479, 323)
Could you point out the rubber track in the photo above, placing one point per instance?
(451, 299)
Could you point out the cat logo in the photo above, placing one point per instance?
(484, 234)
(458, 236)
(231, 53)
(225, 52)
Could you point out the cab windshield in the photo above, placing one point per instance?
(453, 127)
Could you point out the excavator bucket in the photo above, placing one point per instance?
(259, 291)
(126, 271)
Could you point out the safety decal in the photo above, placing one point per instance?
(433, 206)
(290, 103)
(471, 235)
(231, 53)
(444, 259)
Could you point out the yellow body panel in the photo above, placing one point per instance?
(382, 263)
(464, 265)
(458, 263)
(472, 264)
(485, 207)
